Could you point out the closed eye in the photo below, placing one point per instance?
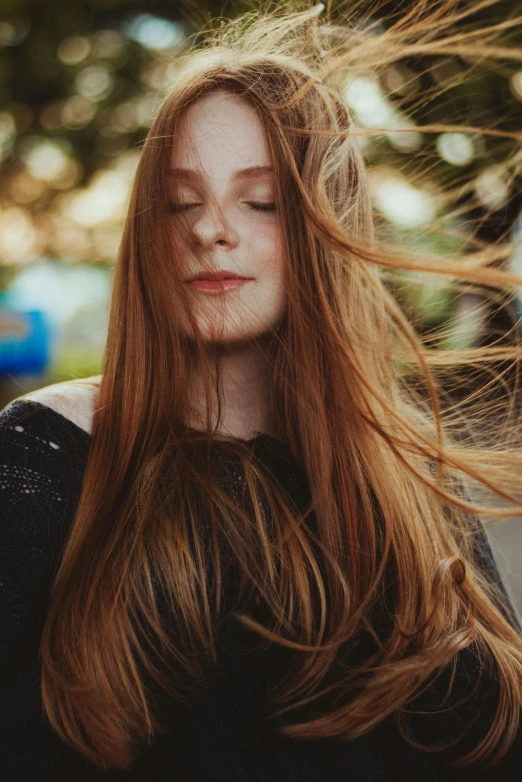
(262, 207)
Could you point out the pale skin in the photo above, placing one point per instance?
(231, 226)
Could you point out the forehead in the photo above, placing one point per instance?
(220, 132)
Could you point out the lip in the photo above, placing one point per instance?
(217, 286)
(222, 274)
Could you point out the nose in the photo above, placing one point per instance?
(213, 228)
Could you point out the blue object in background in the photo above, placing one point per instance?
(24, 341)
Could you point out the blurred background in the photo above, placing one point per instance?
(79, 85)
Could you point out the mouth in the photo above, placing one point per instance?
(217, 284)
(217, 276)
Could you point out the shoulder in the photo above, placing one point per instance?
(43, 456)
(73, 399)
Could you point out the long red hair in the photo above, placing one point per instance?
(349, 372)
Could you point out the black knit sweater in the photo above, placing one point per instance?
(225, 736)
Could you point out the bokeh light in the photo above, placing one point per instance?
(14, 31)
(7, 133)
(374, 110)
(456, 148)
(153, 32)
(19, 241)
(94, 82)
(404, 205)
(516, 85)
(46, 159)
(74, 49)
(492, 187)
(77, 112)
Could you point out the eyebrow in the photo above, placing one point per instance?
(252, 172)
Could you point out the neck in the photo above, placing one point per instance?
(244, 386)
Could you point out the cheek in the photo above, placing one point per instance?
(267, 250)
(277, 264)
(272, 280)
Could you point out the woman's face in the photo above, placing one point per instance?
(223, 211)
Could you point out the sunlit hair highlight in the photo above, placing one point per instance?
(357, 399)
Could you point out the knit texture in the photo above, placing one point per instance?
(225, 736)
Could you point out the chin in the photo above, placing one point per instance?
(234, 338)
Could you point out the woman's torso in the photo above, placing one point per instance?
(227, 734)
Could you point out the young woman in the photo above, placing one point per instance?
(246, 551)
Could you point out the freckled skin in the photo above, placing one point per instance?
(218, 135)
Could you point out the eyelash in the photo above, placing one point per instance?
(262, 207)
(256, 206)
